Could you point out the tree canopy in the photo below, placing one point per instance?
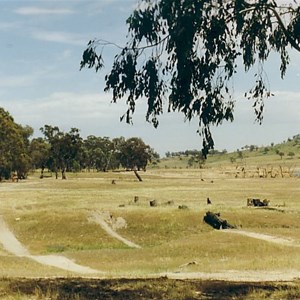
(134, 153)
(61, 151)
(14, 147)
(187, 52)
(65, 148)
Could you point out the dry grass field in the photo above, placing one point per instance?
(53, 217)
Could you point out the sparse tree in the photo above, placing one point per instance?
(232, 159)
(240, 155)
(251, 148)
(266, 150)
(281, 154)
(196, 159)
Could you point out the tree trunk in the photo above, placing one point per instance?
(137, 175)
(42, 173)
(63, 174)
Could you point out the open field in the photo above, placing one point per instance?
(59, 218)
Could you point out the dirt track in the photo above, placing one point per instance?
(236, 276)
(264, 237)
(12, 245)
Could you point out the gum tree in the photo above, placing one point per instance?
(64, 148)
(134, 154)
(39, 153)
(100, 153)
(186, 53)
(14, 147)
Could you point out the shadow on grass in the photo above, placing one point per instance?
(158, 288)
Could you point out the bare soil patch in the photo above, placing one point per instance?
(104, 219)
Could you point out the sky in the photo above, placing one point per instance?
(41, 45)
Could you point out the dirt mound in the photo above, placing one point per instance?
(105, 219)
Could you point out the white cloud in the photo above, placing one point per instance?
(99, 7)
(27, 79)
(62, 107)
(6, 26)
(66, 54)
(59, 37)
(281, 120)
(34, 10)
(15, 81)
(284, 107)
(93, 114)
(43, 90)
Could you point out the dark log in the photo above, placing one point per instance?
(216, 222)
(257, 202)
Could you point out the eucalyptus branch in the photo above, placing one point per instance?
(141, 48)
(107, 43)
(285, 31)
(202, 41)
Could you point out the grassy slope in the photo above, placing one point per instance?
(51, 216)
(263, 155)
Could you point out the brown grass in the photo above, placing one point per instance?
(51, 216)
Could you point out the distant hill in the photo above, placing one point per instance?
(286, 152)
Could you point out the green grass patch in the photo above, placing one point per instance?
(52, 217)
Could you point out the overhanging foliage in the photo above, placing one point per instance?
(187, 52)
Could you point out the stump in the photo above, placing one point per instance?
(170, 202)
(182, 207)
(153, 203)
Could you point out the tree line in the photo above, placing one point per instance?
(194, 152)
(62, 152)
